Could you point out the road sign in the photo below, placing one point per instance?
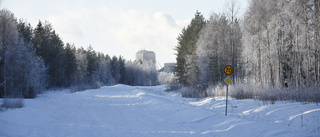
(228, 70)
(227, 80)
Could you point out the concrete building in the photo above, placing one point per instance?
(169, 67)
(144, 55)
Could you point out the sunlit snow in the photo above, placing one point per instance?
(127, 111)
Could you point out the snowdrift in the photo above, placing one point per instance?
(126, 111)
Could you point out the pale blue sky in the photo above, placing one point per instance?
(118, 27)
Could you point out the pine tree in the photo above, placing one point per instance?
(49, 46)
(92, 61)
(70, 64)
(115, 69)
(186, 47)
(122, 70)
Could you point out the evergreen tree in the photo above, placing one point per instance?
(122, 70)
(25, 30)
(70, 64)
(49, 46)
(54, 55)
(186, 47)
(103, 70)
(92, 61)
(115, 69)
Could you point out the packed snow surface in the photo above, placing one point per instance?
(126, 111)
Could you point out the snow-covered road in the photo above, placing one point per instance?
(125, 111)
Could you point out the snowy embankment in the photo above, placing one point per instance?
(125, 111)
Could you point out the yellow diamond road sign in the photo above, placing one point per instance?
(227, 80)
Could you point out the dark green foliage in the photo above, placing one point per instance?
(186, 45)
(25, 31)
(92, 61)
(49, 46)
(115, 69)
(122, 70)
(70, 64)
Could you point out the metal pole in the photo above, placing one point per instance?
(227, 100)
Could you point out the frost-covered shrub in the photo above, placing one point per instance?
(141, 74)
(189, 92)
(173, 87)
(240, 92)
(12, 103)
(166, 78)
(310, 94)
(217, 90)
(256, 91)
(186, 92)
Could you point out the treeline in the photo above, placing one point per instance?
(282, 44)
(274, 50)
(204, 48)
(35, 59)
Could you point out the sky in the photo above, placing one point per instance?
(119, 27)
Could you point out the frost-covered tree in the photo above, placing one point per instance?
(8, 37)
(82, 64)
(215, 49)
(93, 69)
(141, 74)
(22, 72)
(281, 43)
(234, 35)
(207, 51)
(166, 78)
(104, 69)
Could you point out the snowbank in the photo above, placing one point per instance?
(127, 111)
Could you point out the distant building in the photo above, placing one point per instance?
(144, 55)
(168, 67)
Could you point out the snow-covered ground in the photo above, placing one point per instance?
(125, 111)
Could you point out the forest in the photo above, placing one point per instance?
(274, 50)
(33, 60)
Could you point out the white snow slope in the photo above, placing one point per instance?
(125, 111)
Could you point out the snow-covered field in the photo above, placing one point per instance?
(125, 111)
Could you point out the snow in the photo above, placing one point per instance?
(126, 111)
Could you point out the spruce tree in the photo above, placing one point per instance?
(186, 46)
(49, 46)
(122, 70)
(70, 64)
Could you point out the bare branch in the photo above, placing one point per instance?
(233, 9)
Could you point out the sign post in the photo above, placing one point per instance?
(228, 70)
